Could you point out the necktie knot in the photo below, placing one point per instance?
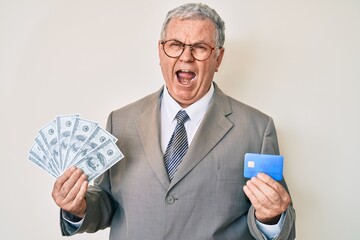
(181, 117)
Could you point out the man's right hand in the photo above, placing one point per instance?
(69, 191)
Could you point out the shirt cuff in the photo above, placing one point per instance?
(71, 219)
(271, 231)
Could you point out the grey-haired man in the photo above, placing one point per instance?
(206, 196)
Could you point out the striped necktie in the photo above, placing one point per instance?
(177, 146)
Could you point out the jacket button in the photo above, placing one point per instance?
(170, 199)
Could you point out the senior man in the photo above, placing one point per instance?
(184, 148)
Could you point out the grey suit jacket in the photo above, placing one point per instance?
(204, 200)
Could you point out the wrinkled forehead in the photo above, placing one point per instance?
(200, 28)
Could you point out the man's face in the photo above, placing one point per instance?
(186, 78)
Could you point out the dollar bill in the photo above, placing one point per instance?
(49, 136)
(46, 168)
(44, 158)
(98, 137)
(65, 126)
(100, 159)
(81, 132)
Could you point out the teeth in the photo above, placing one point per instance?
(185, 76)
(185, 81)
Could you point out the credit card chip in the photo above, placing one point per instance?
(251, 164)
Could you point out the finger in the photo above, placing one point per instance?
(70, 183)
(262, 211)
(257, 197)
(275, 192)
(82, 192)
(267, 195)
(276, 186)
(271, 182)
(267, 179)
(60, 182)
(254, 201)
(73, 192)
(78, 205)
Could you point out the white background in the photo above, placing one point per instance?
(298, 61)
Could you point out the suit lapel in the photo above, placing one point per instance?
(148, 125)
(213, 128)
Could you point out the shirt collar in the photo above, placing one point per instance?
(196, 111)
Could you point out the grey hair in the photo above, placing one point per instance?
(197, 11)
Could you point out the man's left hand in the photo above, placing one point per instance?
(269, 198)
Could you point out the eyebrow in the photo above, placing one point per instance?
(201, 41)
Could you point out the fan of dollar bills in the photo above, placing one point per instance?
(71, 141)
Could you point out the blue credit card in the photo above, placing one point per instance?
(271, 165)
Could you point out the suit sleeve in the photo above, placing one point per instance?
(270, 146)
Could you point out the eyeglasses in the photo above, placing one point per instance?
(199, 51)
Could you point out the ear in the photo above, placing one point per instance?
(159, 46)
(160, 50)
(219, 58)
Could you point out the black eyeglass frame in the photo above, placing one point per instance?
(163, 42)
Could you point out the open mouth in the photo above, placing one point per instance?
(185, 76)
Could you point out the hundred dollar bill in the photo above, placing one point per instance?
(65, 126)
(44, 158)
(49, 135)
(98, 137)
(38, 163)
(81, 132)
(100, 159)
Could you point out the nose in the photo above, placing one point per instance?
(186, 55)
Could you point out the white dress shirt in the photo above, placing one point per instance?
(169, 108)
